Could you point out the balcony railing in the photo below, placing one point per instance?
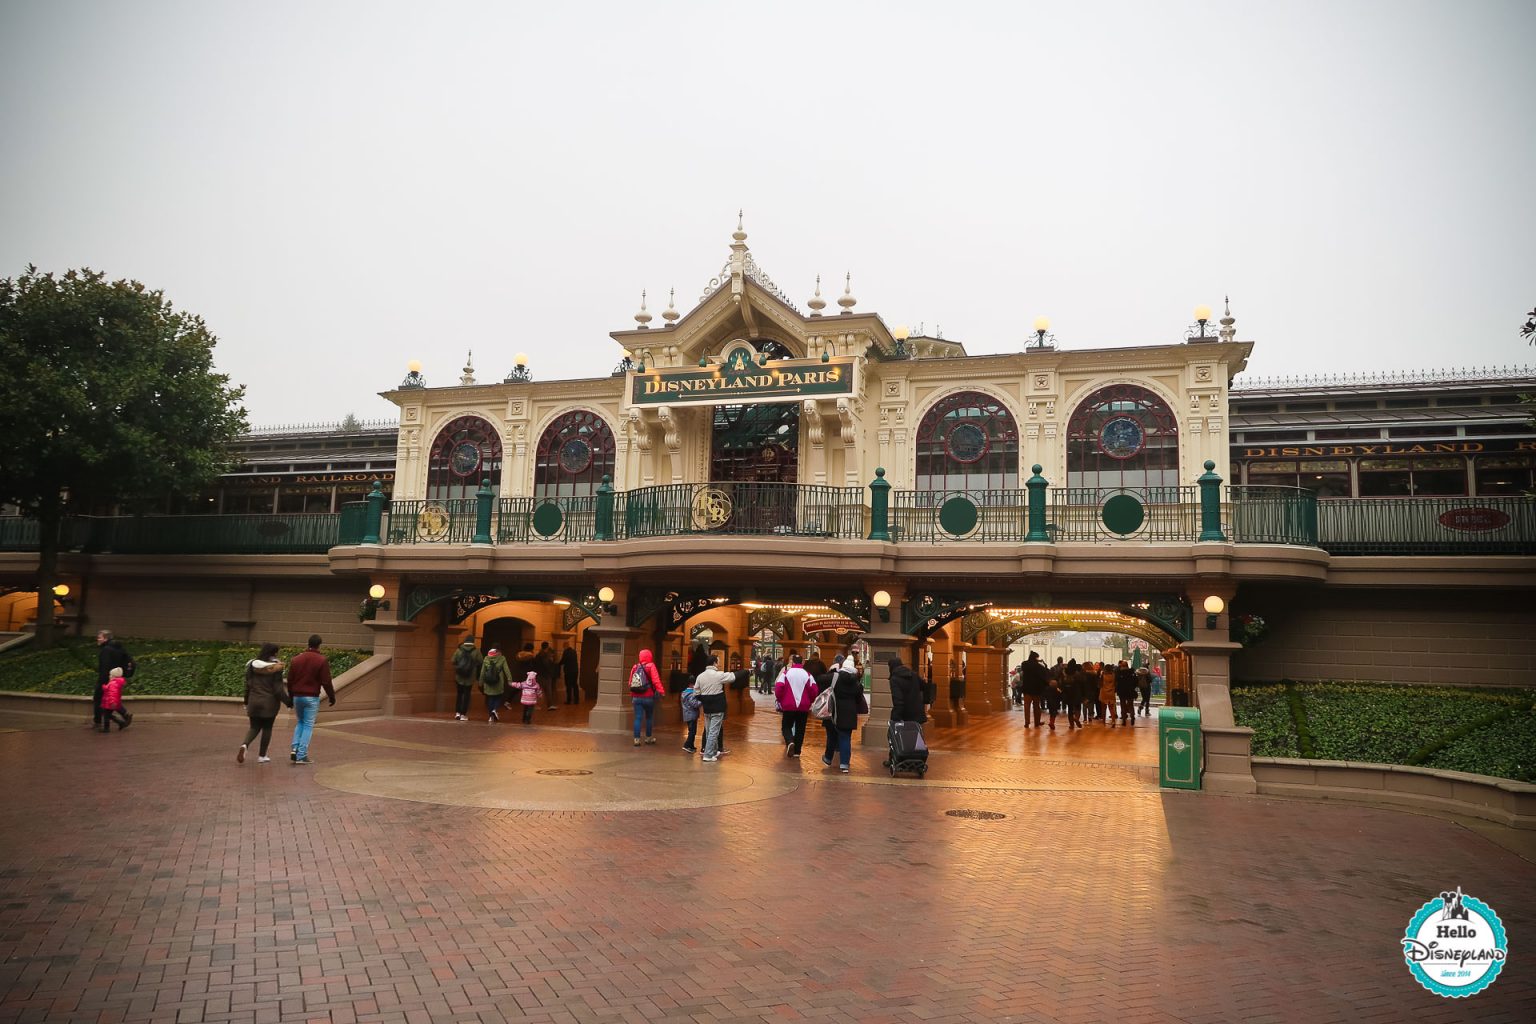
(309, 533)
(741, 509)
(1428, 526)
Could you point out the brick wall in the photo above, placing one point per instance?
(1468, 637)
(284, 611)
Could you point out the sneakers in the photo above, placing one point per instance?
(722, 753)
(827, 761)
(789, 750)
(240, 755)
(710, 757)
(690, 749)
(843, 769)
(127, 721)
(303, 761)
(460, 718)
(649, 740)
(493, 718)
(293, 754)
(263, 759)
(637, 741)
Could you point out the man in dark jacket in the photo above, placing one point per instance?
(1033, 677)
(906, 694)
(572, 671)
(545, 664)
(1125, 692)
(110, 654)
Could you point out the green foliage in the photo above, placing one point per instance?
(1483, 731)
(165, 667)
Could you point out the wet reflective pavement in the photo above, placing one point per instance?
(427, 870)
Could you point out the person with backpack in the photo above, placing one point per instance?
(845, 701)
(531, 688)
(793, 692)
(644, 687)
(264, 695)
(689, 700)
(467, 660)
(495, 674)
(110, 654)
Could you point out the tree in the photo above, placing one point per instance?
(108, 395)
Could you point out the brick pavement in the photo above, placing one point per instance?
(149, 878)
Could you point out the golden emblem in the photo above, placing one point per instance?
(432, 522)
(711, 508)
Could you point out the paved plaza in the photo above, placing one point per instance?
(425, 870)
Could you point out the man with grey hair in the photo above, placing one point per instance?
(110, 654)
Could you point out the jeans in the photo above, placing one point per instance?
(645, 710)
(693, 731)
(492, 702)
(713, 723)
(572, 690)
(305, 709)
(461, 701)
(844, 746)
(793, 728)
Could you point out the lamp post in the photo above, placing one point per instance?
(626, 363)
(1042, 325)
(413, 377)
(519, 374)
(901, 334)
(1202, 317)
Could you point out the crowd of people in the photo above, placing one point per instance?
(1114, 694)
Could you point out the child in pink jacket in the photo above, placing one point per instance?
(531, 692)
(112, 708)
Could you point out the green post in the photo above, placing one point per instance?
(602, 529)
(1210, 504)
(1037, 485)
(375, 514)
(483, 499)
(879, 506)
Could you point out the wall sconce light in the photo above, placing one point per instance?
(61, 591)
(605, 596)
(372, 603)
(1214, 606)
(882, 602)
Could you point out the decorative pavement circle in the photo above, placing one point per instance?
(561, 781)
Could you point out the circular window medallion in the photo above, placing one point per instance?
(547, 519)
(1122, 437)
(465, 459)
(575, 455)
(711, 508)
(1123, 514)
(432, 522)
(957, 516)
(966, 443)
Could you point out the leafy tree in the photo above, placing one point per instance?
(350, 424)
(108, 396)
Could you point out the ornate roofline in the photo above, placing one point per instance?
(1476, 374)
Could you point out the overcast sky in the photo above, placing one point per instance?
(338, 188)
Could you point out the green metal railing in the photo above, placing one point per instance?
(354, 522)
(1077, 515)
(308, 533)
(1256, 514)
(740, 509)
(1428, 526)
(981, 515)
(445, 521)
(563, 518)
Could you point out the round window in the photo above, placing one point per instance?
(465, 459)
(1122, 437)
(575, 455)
(966, 443)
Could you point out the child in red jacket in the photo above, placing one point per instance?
(112, 708)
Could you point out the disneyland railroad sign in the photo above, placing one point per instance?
(740, 380)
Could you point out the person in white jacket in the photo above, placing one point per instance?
(710, 685)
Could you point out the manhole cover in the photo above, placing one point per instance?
(562, 771)
(966, 812)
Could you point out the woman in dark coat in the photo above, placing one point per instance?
(264, 695)
(906, 694)
(847, 696)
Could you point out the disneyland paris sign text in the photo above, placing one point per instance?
(719, 385)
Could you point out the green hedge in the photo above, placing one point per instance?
(1484, 731)
(197, 668)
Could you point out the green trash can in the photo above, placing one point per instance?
(1178, 748)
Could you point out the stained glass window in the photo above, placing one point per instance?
(574, 454)
(1123, 436)
(967, 441)
(464, 452)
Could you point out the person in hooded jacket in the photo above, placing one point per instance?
(495, 674)
(906, 693)
(847, 698)
(645, 698)
(467, 660)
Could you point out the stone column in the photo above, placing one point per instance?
(1228, 746)
(618, 646)
(886, 640)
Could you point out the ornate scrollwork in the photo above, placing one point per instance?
(711, 508)
(973, 625)
(855, 607)
(925, 613)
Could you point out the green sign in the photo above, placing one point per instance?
(741, 381)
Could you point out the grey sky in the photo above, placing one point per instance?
(341, 187)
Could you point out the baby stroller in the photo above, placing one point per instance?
(908, 752)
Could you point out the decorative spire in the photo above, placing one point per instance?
(670, 314)
(739, 235)
(817, 303)
(846, 300)
(469, 369)
(1228, 332)
(643, 318)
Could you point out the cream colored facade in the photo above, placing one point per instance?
(842, 439)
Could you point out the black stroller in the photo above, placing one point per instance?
(908, 752)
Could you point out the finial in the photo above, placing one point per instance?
(643, 318)
(469, 369)
(670, 314)
(1228, 332)
(816, 302)
(739, 234)
(846, 300)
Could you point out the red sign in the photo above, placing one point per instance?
(826, 625)
(1474, 519)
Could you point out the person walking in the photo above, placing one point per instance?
(110, 654)
(531, 688)
(467, 660)
(264, 695)
(1125, 691)
(1053, 698)
(688, 701)
(547, 665)
(848, 702)
(794, 691)
(645, 686)
(1144, 687)
(570, 667)
(308, 674)
(495, 674)
(112, 708)
(1072, 693)
(710, 685)
(1107, 694)
(1032, 677)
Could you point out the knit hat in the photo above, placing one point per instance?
(493, 653)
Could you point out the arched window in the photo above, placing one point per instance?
(968, 441)
(1123, 436)
(464, 452)
(575, 452)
